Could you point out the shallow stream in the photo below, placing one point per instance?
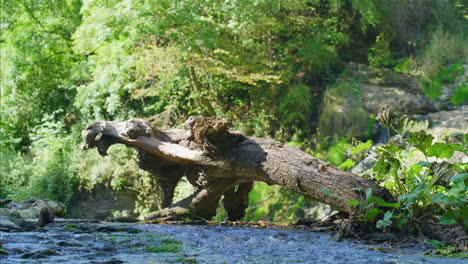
(72, 241)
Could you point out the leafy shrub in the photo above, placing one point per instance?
(461, 95)
(405, 66)
(275, 203)
(443, 49)
(14, 174)
(295, 107)
(433, 87)
(45, 176)
(334, 153)
(410, 166)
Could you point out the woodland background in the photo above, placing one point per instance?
(279, 69)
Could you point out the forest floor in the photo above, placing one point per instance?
(84, 241)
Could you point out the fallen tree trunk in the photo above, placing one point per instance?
(219, 162)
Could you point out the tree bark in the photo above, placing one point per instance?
(218, 162)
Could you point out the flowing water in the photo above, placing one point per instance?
(73, 241)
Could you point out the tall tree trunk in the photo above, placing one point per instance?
(218, 162)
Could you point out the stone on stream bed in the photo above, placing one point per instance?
(29, 214)
(74, 241)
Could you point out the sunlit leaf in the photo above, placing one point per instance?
(349, 163)
(354, 202)
(362, 146)
(443, 150)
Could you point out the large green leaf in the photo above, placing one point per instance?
(421, 140)
(380, 202)
(443, 150)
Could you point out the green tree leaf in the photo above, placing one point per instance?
(372, 214)
(349, 163)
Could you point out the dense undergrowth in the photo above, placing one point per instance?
(414, 167)
(274, 68)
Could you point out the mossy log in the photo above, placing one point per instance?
(220, 162)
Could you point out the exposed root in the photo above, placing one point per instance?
(449, 234)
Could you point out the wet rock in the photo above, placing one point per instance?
(69, 244)
(365, 165)
(3, 252)
(112, 261)
(17, 251)
(382, 237)
(107, 229)
(46, 216)
(305, 222)
(42, 253)
(123, 219)
(7, 223)
(18, 215)
(112, 229)
(4, 201)
(105, 248)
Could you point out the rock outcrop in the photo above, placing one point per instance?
(104, 202)
(361, 92)
(23, 215)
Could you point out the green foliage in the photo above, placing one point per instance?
(334, 154)
(295, 107)
(410, 167)
(362, 146)
(461, 95)
(40, 74)
(386, 221)
(275, 203)
(380, 54)
(443, 49)
(349, 163)
(373, 207)
(404, 66)
(433, 243)
(433, 87)
(448, 74)
(43, 176)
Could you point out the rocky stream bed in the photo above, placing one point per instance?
(87, 241)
